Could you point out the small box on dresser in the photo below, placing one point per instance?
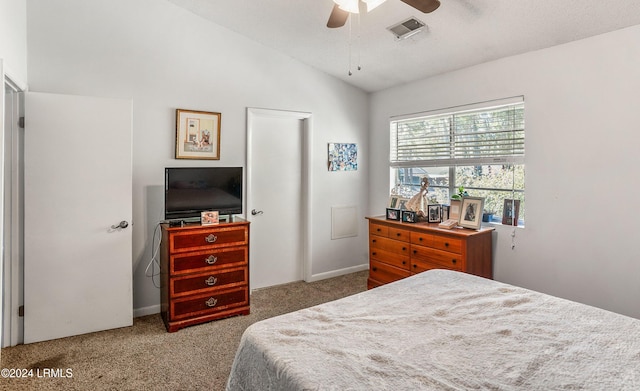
(398, 250)
(204, 272)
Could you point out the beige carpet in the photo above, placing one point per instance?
(146, 357)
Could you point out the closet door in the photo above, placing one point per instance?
(78, 190)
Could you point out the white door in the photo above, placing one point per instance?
(78, 187)
(277, 196)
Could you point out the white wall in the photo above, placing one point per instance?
(164, 58)
(582, 138)
(13, 39)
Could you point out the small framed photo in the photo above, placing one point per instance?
(209, 218)
(408, 216)
(454, 209)
(434, 213)
(394, 202)
(402, 203)
(471, 212)
(511, 212)
(445, 212)
(197, 134)
(393, 214)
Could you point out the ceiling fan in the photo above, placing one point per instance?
(342, 8)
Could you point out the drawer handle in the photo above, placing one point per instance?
(453, 261)
(415, 266)
(446, 244)
(375, 269)
(404, 249)
(373, 241)
(211, 302)
(415, 251)
(211, 281)
(378, 229)
(374, 253)
(398, 234)
(211, 259)
(420, 239)
(211, 238)
(404, 262)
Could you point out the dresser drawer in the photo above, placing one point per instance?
(385, 273)
(447, 244)
(418, 266)
(399, 234)
(190, 240)
(422, 239)
(401, 260)
(214, 280)
(380, 243)
(378, 229)
(191, 306)
(205, 260)
(443, 258)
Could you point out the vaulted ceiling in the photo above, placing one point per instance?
(459, 34)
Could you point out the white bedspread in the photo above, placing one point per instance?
(441, 330)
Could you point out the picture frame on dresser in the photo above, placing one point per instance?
(471, 212)
(434, 213)
(454, 209)
(408, 216)
(511, 212)
(393, 214)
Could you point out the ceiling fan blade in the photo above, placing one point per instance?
(338, 17)
(425, 6)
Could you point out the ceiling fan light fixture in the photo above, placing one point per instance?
(372, 4)
(348, 5)
(353, 6)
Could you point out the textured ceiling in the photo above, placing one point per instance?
(459, 34)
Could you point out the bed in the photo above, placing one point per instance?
(441, 330)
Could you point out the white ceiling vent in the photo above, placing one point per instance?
(406, 28)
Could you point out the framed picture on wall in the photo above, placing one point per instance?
(471, 212)
(198, 134)
(343, 157)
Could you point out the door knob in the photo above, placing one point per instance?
(256, 212)
(123, 224)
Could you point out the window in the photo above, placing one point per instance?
(479, 147)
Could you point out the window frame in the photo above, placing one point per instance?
(513, 157)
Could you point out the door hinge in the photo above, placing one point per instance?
(21, 310)
(21, 122)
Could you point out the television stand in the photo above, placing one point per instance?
(204, 272)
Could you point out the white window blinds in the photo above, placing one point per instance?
(486, 135)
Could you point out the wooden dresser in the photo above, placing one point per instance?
(398, 250)
(204, 273)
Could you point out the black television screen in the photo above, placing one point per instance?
(188, 191)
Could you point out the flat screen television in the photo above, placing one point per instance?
(188, 191)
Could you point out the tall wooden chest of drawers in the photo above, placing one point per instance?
(204, 273)
(398, 250)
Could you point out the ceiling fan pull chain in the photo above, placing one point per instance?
(358, 43)
(350, 73)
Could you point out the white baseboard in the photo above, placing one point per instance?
(339, 272)
(144, 311)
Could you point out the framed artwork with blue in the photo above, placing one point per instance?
(343, 157)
